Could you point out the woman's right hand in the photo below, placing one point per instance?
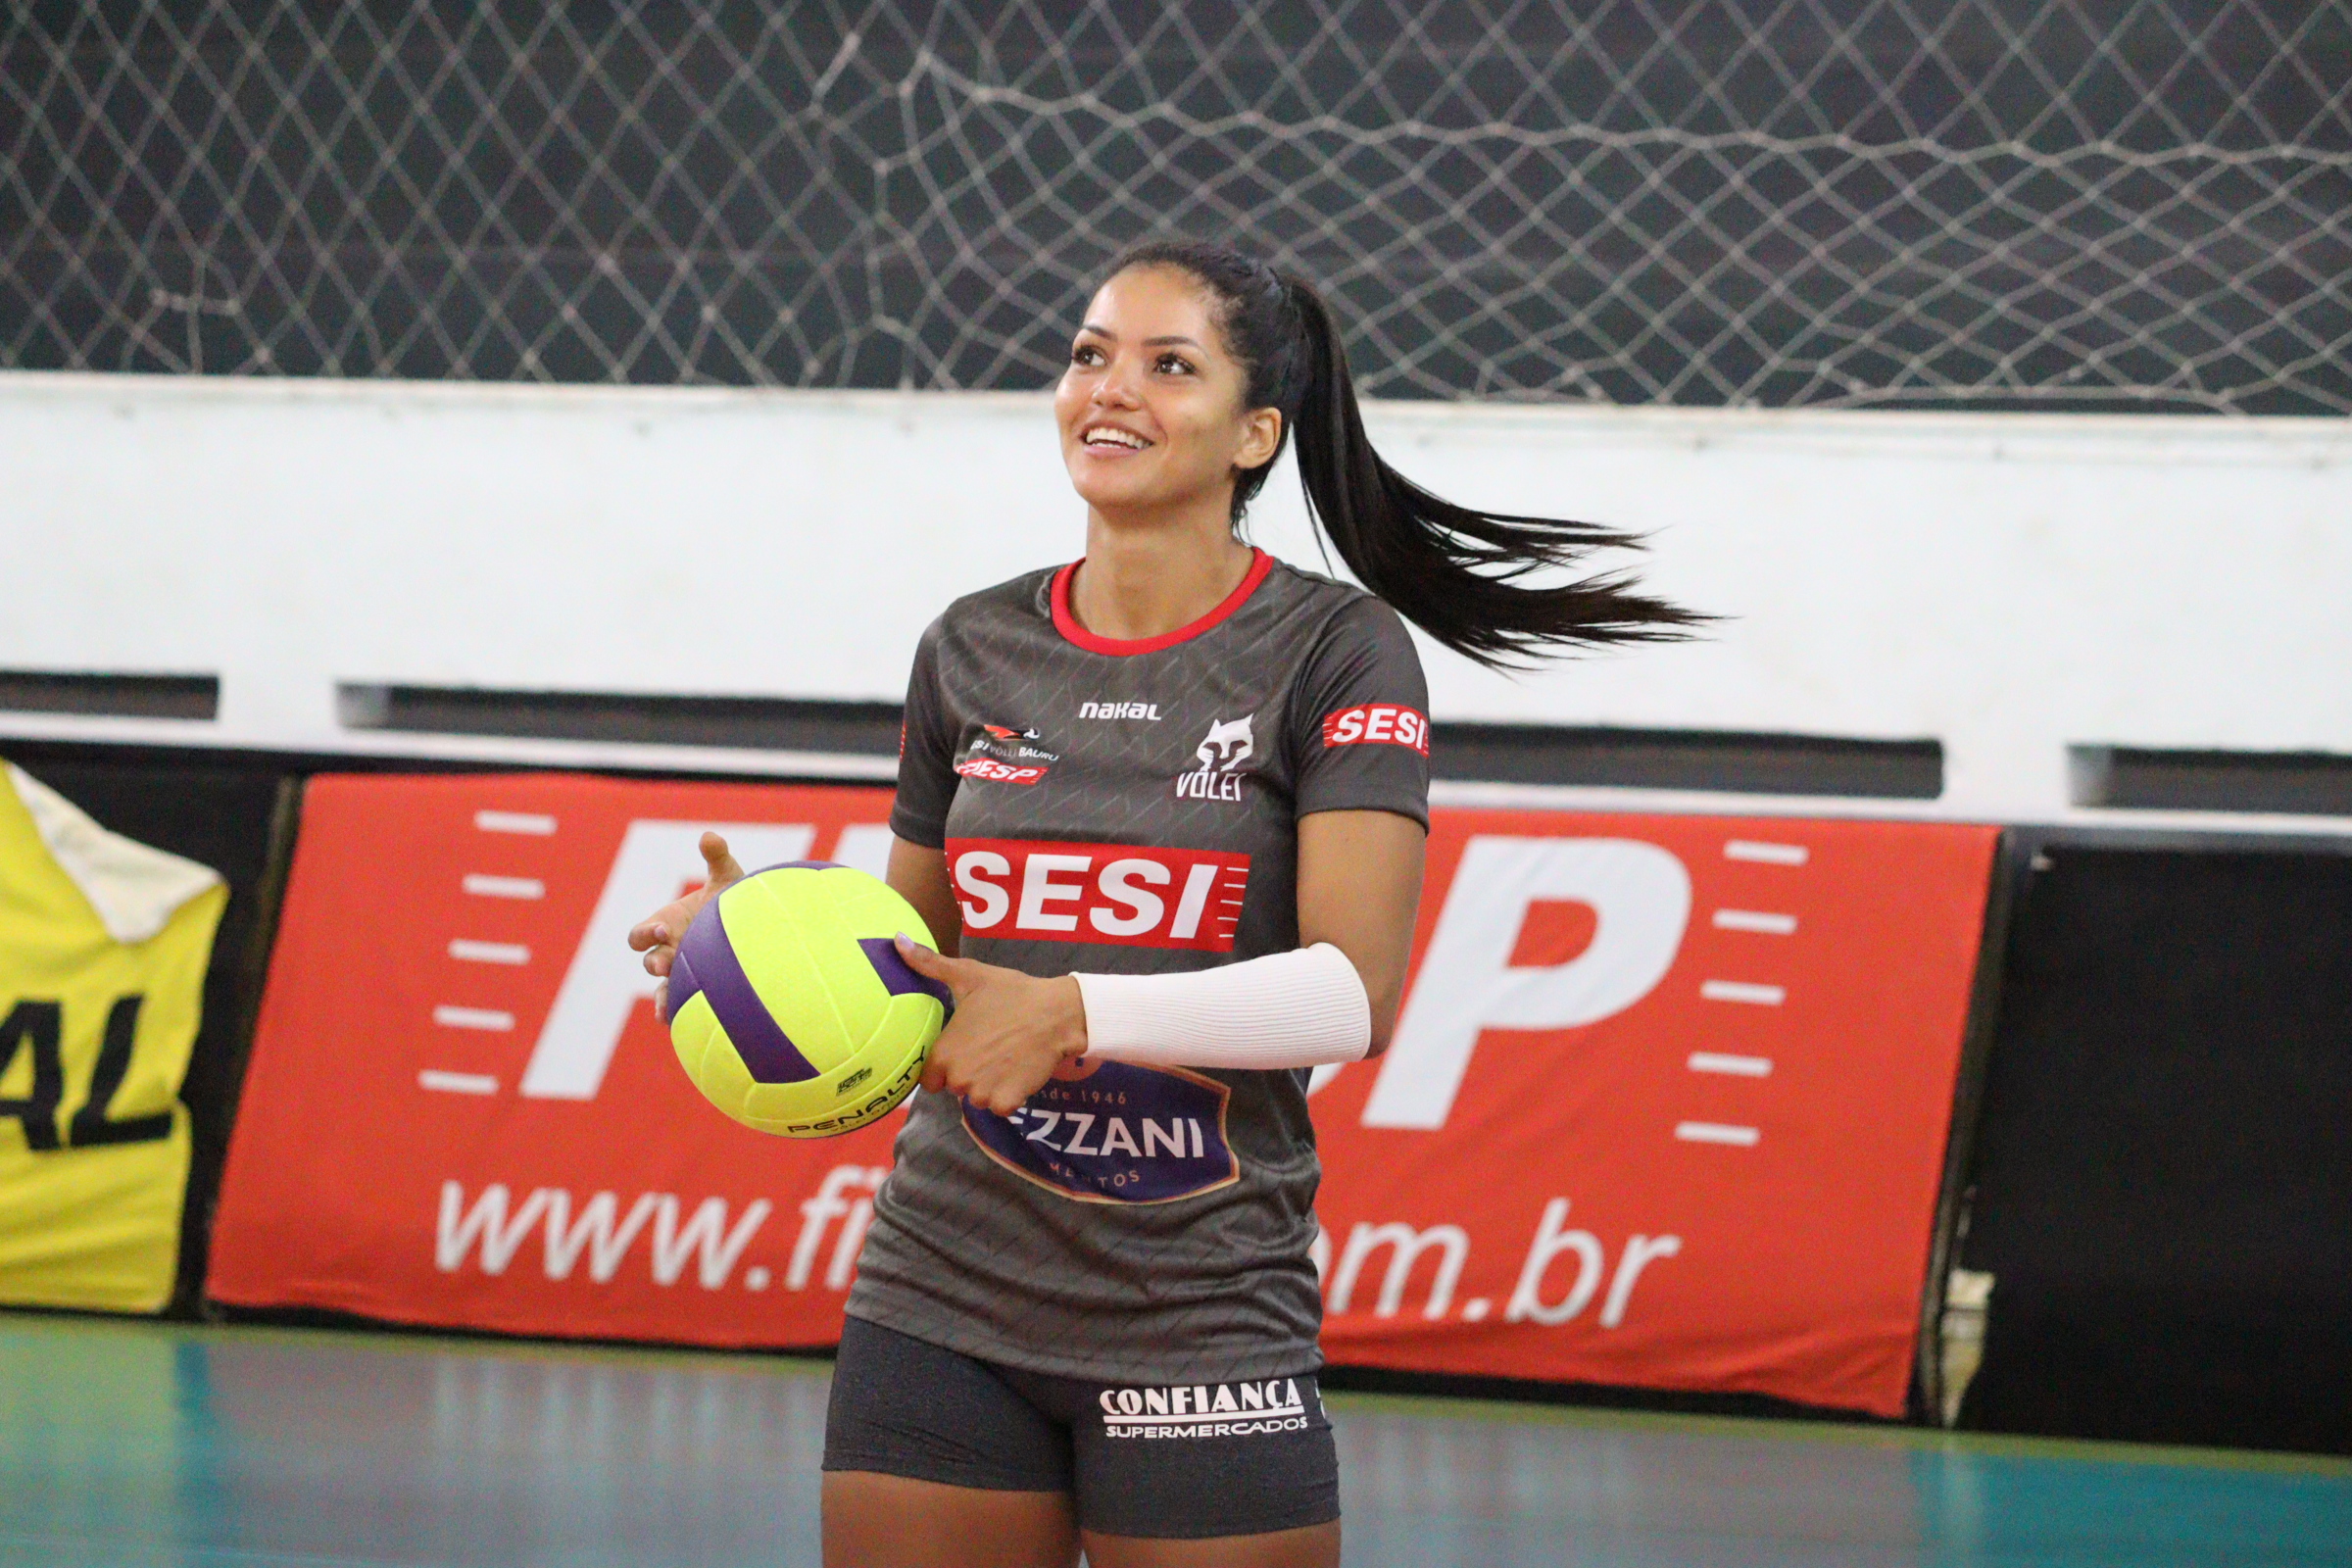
(659, 935)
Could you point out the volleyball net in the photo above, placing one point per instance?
(2091, 204)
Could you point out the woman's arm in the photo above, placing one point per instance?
(920, 878)
(1010, 1030)
(1360, 889)
(1335, 998)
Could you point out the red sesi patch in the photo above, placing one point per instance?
(1123, 895)
(1001, 772)
(1377, 723)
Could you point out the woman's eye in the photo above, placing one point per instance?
(1174, 364)
(1086, 354)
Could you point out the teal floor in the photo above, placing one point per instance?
(130, 1446)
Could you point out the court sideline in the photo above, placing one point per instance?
(140, 1446)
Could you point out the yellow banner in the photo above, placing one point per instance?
(104, 944)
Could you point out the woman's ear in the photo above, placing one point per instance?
(1261, 438)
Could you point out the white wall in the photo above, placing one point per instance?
(2007, 584)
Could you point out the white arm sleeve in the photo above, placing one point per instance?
(1300, 1008)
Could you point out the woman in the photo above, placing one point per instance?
(1164, 809)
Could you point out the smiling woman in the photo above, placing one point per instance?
(1228, 334)
(1165, 808)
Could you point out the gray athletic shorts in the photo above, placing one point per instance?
(1190, 1462)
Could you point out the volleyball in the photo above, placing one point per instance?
(790, 1006)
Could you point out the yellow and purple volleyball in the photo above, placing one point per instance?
(790, 1006)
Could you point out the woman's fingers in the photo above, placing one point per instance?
(960, 976)
(1001, 1044)
(656, 936)
(724, 867)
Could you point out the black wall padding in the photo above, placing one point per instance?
(240, 821)
(2164, 1167)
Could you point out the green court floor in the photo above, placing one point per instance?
(137, 1445)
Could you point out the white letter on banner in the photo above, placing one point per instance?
(595, 1231)
(1640, 1252)
(501, 1235)
(1640, 894)
(606, 979)
(1408, 1244)
(864, 846)
(1527, 1296)
(705, 1230)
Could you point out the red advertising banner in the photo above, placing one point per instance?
(1666, 1107)
(461, 1108)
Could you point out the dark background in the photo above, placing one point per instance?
(2163, 1179)
(2104, 204)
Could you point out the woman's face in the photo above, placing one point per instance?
(1151, 407)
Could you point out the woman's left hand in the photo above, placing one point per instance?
(1010, 1030)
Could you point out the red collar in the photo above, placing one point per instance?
(1067, 623)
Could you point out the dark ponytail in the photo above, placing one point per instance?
(1453, 571)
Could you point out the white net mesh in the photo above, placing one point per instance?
(2089, 203)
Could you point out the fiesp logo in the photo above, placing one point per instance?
(1003, 754)
(996, 772)
(607, 981)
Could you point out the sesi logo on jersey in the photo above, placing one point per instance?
(1123, 895)
(1377, 723)
(988, 767)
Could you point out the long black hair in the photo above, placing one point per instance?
(1452, 570)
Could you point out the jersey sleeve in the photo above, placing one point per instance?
(1359, 718)
(926, 752)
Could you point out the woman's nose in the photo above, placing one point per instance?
(1116, 388)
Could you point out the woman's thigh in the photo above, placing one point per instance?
(1313, 1546)
(931, 1458)
(878, 1521)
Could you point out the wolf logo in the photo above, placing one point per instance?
(1219, 778)
(1229, 745)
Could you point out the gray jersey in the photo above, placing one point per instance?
(1132, 808)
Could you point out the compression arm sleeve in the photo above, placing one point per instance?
(1300, 1008)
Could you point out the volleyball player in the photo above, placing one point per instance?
(1164, 809)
